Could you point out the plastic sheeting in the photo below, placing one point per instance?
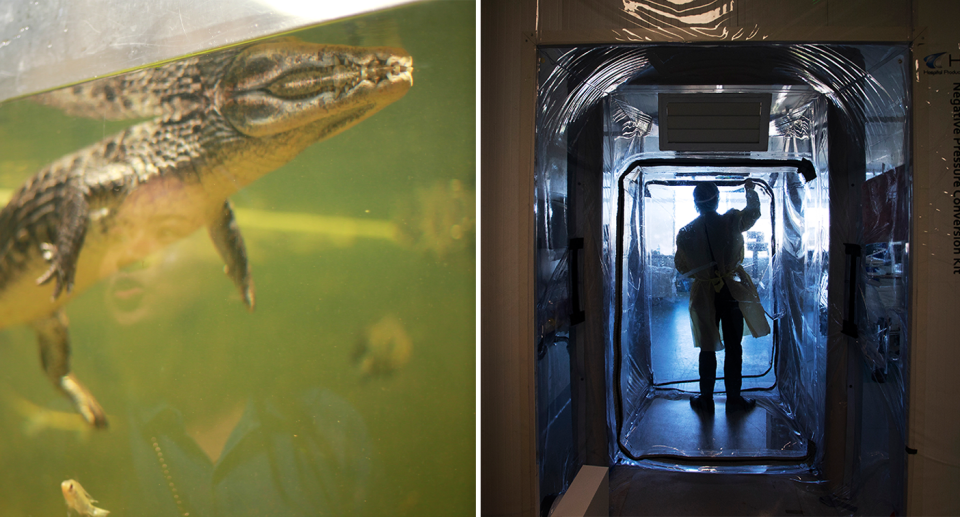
(829, 255)
(721, 20)
(557, 448)
(790, 275)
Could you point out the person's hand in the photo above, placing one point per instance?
(749, 184)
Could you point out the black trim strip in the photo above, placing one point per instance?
(853, 275)
(576, 315)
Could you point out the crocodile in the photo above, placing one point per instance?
(214, 123)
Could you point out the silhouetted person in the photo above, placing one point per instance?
(723, 296)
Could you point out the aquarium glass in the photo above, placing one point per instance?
(348, 390)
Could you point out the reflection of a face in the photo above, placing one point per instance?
(125, 296)
(169, 341)
(151, 287)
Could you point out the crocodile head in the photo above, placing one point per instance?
(286, 85)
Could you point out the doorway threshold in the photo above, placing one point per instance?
(671, 430)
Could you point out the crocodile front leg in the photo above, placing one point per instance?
(71, 228)
(229, 243)
(54, 339)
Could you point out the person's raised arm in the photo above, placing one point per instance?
(751, 213)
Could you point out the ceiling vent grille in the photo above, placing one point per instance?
(714, 121)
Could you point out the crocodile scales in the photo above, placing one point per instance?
(218, 122)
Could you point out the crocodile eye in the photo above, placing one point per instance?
(298, 84)
(258, 66)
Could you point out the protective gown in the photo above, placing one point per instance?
(710, 251)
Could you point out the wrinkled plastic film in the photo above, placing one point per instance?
(714, 21)
(651, 284)
(802, 284)
(634, 328)
(883, 322)
(556, 446)
(557, 454)
(865, 89)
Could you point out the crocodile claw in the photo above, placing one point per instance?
(83, 401)
(54, 340)
(63, 275)
(71, 228)
(229, 243)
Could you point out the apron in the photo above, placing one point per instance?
(710, 251)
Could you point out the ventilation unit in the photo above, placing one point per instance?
(714, 122)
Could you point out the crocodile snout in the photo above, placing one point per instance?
(279, 86)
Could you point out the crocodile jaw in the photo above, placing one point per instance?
(280, 86)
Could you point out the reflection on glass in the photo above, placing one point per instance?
(217, 410)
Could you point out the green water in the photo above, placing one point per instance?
(391, 441)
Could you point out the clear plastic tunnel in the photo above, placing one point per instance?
(828, 256)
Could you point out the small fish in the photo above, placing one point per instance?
(80, 501)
